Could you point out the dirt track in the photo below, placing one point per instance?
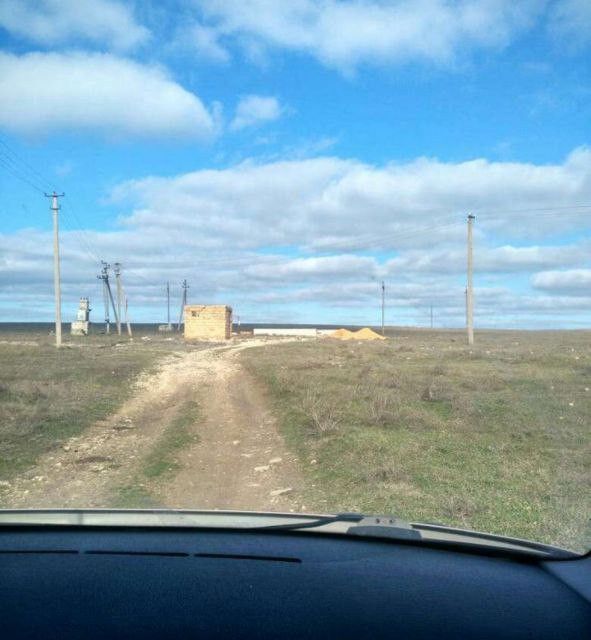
(239, 461)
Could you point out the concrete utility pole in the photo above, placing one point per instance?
(168, 306)
(121, 295)
(104, 276)
(108, 297)
(431, 314)
(383, 303)
(469, 286)
(107, 284)
(129, 333)
(117, 270)
(185, 286)
(56, 267)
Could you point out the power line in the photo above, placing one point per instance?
(81, 234)
(18, 159)
(19, 176)
(540, 210)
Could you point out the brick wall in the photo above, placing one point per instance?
(208, 322)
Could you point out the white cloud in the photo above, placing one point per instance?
(346, 33)
(570, 22)
(504, 259)
(205, 42)
(103, 23)
(248, 235)
(253, 110)
(47, 92)
(298, 269)
(335, 205)
(573, 281)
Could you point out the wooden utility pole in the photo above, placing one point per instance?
(469, 285)
(56, 267)
(383, 303)
(185, 286)
(117, 270)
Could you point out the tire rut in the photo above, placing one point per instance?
(239, 462)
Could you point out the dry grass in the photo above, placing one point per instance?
(494, 437)
(48, 395)
(322, 415)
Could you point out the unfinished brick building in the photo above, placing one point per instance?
(208, 322)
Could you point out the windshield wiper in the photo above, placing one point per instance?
(362, 525)
(393, 528)
(311, 523)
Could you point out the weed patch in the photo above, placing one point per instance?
(495, 437)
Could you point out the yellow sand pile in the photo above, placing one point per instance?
(367, 334)
(362, 334)
(342, 334)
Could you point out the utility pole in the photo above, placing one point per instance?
(431, 314)
(108, 297)
(185, 286)
(56, 267)
(112, 303)
(117, 270)
(122, 295)
(104, 276)
(127, 320)
(383, 303)
(168, 306)
(469, 286)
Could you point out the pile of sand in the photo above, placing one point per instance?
(367, 334)
(363, 334)
(342, 334)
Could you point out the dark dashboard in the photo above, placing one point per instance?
(76, 582)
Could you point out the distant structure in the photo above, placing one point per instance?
(82, 322)
(208, 322)
(166, 328)
(289, 331)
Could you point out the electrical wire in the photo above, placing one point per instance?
(16, 174)
(8, 151)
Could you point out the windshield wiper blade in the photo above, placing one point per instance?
(396, 529)
(361, 525)
(312, 523)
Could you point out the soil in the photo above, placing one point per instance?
(239, 460)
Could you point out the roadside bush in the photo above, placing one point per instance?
(383, 408)
(323, 417)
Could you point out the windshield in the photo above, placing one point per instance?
(309, 256)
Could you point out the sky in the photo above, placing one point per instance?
(287, 157)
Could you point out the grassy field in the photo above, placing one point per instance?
(495, 437)
(48, 395)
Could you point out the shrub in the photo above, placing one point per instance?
(322, 416)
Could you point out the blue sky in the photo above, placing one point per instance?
(286, 157)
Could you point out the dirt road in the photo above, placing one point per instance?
(239, 460)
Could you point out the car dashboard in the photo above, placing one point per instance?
(122, 582)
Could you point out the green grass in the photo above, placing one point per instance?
(132, 496)
(494, 438)
(161, 460)
(48, 395)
